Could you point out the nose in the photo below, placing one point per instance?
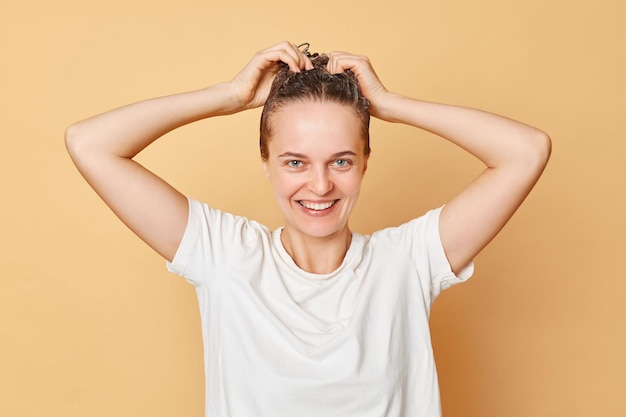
(320, 181)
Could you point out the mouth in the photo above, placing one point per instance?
(317, 206)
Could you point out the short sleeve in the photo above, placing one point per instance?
(430, 256)
(209, 242)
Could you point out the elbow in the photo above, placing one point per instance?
(72, 139)
(76, 142)
(535, 150)
(529, 156)
(542, 145)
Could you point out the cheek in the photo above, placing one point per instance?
(351, 185)
(284, 186)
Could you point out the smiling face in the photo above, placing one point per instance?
(316, 162)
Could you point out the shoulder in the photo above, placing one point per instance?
(419, 240)
(213, 230)
(214, 220)
(212, 239)
(422, 227)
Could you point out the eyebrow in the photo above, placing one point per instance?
(302, 156)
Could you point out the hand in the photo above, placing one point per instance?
(252, 84)
(369, 83)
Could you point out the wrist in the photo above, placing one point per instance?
(386, 107)
(222, 99)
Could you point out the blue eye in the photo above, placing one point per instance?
(342, 163)
(295, 164)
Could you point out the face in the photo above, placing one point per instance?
(316, 164)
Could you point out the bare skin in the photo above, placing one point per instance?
(316, 165)
(103, 148)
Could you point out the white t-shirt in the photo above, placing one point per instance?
(282, 342)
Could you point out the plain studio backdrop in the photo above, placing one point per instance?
(92, 324)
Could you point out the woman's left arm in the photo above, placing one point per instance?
(514, 153)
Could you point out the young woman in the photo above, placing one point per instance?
(312, 319)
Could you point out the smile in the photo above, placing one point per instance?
(317, 206)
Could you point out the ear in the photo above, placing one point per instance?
(365, 165)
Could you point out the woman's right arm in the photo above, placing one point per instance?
(103, 146)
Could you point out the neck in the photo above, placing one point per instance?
(317, 255)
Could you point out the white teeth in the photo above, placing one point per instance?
(316, 206)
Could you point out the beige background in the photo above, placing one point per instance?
(92, 324)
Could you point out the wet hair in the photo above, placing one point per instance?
(316, 85)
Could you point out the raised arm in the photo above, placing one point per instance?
(514, 153)
(103, 146)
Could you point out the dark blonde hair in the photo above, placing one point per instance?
(316, 84)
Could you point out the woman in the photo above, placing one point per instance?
(312, 319)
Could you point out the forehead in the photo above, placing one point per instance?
(312, 125)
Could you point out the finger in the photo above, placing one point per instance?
(288, 53)
(303, 49)
(341, 61)
(303, 59)
(369, 83)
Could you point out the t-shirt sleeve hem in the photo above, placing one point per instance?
(184, 251)
(444, 275)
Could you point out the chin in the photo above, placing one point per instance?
(321, 231)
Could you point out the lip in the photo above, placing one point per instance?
(317, 207)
